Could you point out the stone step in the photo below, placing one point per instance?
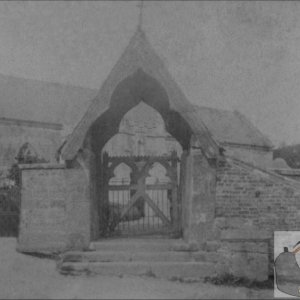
(160, 269)
(113, 256)
(109, 256)
(131, 244)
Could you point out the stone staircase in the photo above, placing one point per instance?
(156, 257)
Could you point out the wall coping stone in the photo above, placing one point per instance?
(273, 176)
(31, 123)
(42, 166)
(293, 172)
(247, 146)
(245, 234)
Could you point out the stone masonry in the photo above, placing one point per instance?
(54, 210)
(251, 204)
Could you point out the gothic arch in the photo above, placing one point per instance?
(130, 92)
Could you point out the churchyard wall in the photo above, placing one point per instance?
(251, 204)
(55, 209)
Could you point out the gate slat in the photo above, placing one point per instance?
(130, 204)
(156, 209)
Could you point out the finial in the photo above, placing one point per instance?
(140, 5)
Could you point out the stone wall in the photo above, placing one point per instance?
(290, 173)
(244, 253)
(251, 199)
(250, 196)
(198, 198)
(55, 209)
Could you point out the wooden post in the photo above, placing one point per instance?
(175, 204)
(103, 192)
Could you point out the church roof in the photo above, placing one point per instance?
(41, 101)
(232, 127)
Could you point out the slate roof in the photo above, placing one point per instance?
(231, 127)
(36, 100)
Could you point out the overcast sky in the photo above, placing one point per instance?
(242, 55)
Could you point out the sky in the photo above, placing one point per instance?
(236, 55)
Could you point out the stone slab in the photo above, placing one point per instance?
(115, 255)
(154, 269)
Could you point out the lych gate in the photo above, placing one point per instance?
(141, 208)
(139, 205)
(84, 199)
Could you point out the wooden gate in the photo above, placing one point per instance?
(140, 203)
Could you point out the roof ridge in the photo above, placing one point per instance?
(212, 108)
(31, 123)
(46, 81)
(288, 146)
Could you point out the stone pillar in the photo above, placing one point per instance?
(186, 182)
(94, 198)
(244, 253)
(200, 201)
(87, 160)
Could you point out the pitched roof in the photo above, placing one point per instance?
(231, 127)
(36, 100)
(139, 55)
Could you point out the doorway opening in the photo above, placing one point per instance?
(140, 176)
(138, 137)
